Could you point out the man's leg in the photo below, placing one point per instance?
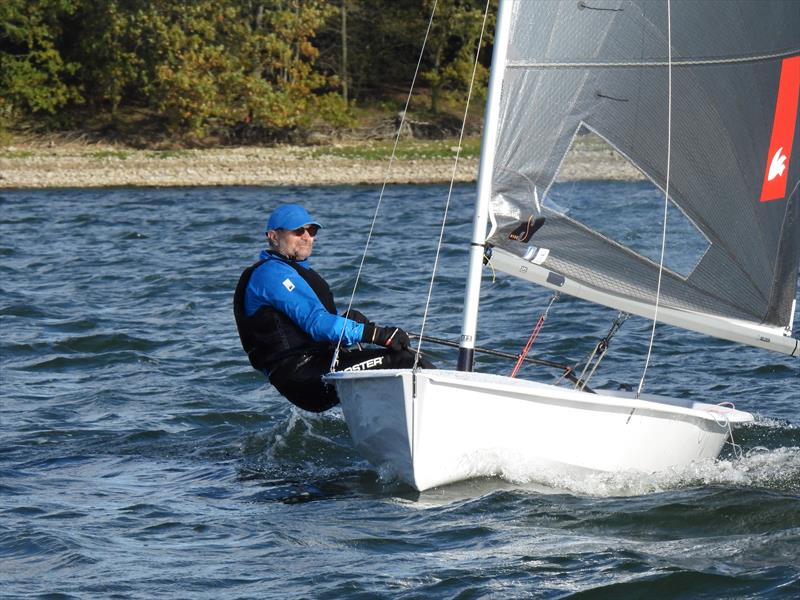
(302, 383)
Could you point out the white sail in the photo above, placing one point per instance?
(603, 65)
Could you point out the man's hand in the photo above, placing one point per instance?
(355, 315)
(393, 338)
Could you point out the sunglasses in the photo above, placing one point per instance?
(310, 229)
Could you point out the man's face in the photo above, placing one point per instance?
(295, 244)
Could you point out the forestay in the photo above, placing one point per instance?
(735, 79)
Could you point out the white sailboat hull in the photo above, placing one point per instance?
(435, 427)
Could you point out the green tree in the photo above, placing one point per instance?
(214, 64)
(454, 35)
(384, 41)
(290, 93)
(105, 39)
(34, 77)
(262, 68)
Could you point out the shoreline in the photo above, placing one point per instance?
(83, 165)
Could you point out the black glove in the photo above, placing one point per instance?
(393, 338)
(356, 316)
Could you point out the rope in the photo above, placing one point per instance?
(567, 369)
(601, 348)
(534, 334)
(385, 182)
(666, 197)
(487, 258)
(735, 448)
(725, 423)
(450, 189)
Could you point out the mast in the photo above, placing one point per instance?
(491, 122)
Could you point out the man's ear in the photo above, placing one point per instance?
(272, 236)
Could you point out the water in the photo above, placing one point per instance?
(140, 456)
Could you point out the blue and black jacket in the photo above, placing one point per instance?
(284, 309)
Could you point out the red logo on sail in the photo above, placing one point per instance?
(776, 173)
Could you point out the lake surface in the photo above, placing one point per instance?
(141, 457)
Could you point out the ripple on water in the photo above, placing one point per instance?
(141, 456)
(23, 310)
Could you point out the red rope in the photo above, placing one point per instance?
(536, 329)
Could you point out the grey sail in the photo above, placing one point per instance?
(604, 65)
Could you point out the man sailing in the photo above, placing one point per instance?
(288, 323)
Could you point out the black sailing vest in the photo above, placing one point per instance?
(269, 336)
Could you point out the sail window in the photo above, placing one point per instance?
(639, 204)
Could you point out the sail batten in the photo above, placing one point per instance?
(606, 71)
(697, 62)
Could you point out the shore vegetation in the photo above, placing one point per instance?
(206, 73)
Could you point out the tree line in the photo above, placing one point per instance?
(256, 69)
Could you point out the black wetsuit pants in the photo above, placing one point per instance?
(299, 379)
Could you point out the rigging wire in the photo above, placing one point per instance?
(450, 189)
(335, 358)
(600, 351)
(666, 197)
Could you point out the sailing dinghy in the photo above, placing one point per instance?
(702, 98)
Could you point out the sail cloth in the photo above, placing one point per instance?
(603, 65)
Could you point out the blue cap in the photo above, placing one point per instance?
(290, 216)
